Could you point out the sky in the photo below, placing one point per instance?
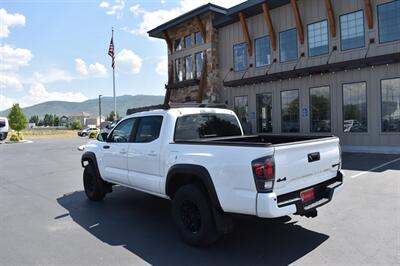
(57, 49)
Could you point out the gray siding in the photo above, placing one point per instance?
(313, 11)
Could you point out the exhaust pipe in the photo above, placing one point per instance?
(311, 214)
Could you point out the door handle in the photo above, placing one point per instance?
(312, 157)
(106, 147)
(123, 152)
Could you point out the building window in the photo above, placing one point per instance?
(240, 56)
(199, 63)
(178, 70)
(352, 30)
(198, 39)
(188, 41)
(390, 105)
(188, 67)
(264, 112)
(263, 51)
(178, 44)
(241, 108)
(290, 111)
(318, 38)
(288, 45)
(355, 107)
(320, 109)
(389, 21)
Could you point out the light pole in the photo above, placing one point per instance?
(100, 110)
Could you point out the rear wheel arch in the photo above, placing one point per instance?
(184, 174)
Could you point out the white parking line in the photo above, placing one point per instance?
(375, 168)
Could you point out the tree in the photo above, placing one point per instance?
(111, 118)
(16, 118)
(76, 125)
(34, 119)
(56, 121)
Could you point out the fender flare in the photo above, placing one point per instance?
(90, 156)
(201, 173)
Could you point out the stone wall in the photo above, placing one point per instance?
(213, 84)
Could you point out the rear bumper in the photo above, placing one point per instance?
(269, 205)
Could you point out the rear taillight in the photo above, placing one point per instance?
(264, 173)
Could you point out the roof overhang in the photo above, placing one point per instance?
(158, 32)
(321, 69)
(248, 8)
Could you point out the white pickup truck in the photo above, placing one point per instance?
(201, 160)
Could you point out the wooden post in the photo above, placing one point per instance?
(246, 33)
(197, 21)
(203, 80)
(170, 80)
(268, 21)
(331, 17)
(297, 17)
(368, 11)
(168, 41)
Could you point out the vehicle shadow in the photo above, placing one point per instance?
(142, 224)
(367, 161)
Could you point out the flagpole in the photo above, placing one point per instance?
(115, 99)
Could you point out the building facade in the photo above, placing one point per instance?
(300, 67)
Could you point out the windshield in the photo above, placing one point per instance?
(209, 125)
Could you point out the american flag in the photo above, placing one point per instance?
(111, 52)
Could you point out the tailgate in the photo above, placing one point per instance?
(303, 164)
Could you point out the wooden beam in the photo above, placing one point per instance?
(170, 80)
(331, 17)
(203, 79)
(297, 17)
(368, 11)
(197, 21)
(246, 33)
(168, 40)
(268, 21)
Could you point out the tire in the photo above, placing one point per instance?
(95, 187)
(193, 216)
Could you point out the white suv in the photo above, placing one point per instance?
(3, 128)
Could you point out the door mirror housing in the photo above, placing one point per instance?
(102, 136)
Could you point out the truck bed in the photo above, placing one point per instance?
(258, 140)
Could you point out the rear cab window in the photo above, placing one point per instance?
(206, 125)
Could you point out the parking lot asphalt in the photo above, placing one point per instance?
(45, 219)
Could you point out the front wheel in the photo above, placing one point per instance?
(192, 213)
(95, 188)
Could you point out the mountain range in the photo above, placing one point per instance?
(60, 108)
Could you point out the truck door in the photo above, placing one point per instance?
(114, 156)
(144, 155)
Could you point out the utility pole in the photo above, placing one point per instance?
(100, 110)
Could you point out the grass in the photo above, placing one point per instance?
(48, 133)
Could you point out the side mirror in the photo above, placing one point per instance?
(102, 136)
(108, 126)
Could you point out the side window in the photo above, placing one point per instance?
(122, 132)
(149, 129)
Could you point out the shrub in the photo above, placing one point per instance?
(76, 125)
(93, 134)
(16, 137)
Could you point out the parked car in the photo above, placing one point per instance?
(4, 128)
(85, 132)
(200, 159)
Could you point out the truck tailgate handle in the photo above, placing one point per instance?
(312, 157)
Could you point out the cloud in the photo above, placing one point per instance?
(128, 62)
(10, 81)
(52, 75)
(114, 8)
(162, 67)
(13, 58)
(9, 20)
(94, 70)
(152, 19)
(6, 102)
(38, 93)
